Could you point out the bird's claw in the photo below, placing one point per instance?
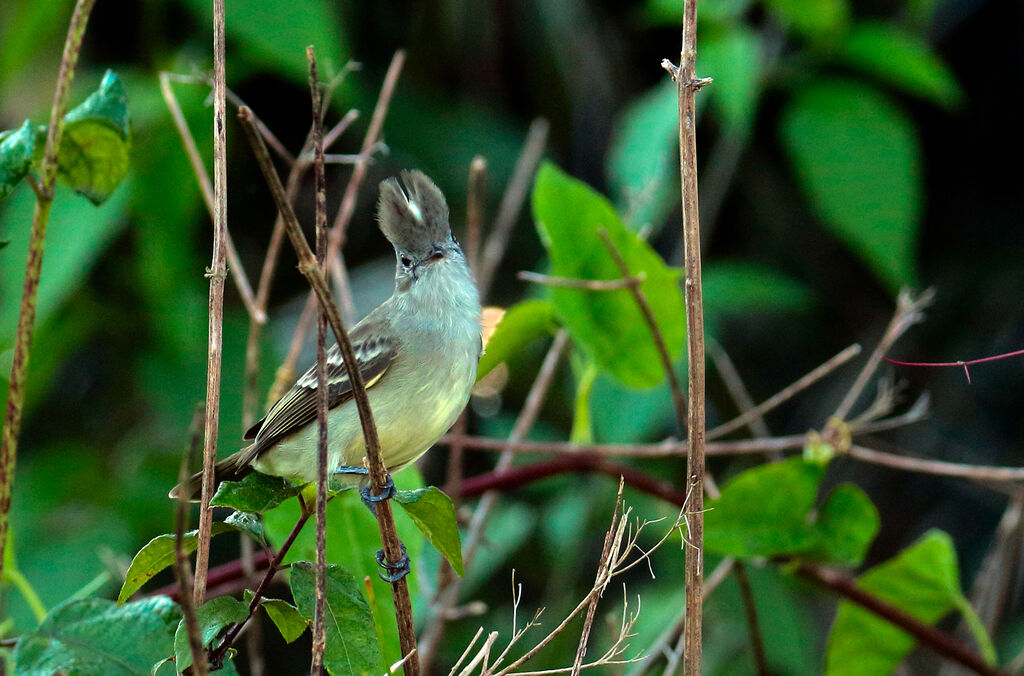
(397, 570)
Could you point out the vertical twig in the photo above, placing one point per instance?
(200, 667)
(476, 199)
(378, 474)
(687, 84)
(511, 203)
(319, 633)
(217, 272)
(37, 239)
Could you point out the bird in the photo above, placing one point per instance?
(417, 352)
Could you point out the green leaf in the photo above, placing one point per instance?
(286, 618)
(923, 581)
(434, 515)
(643, 160)
(96, 140)
(256, 493)
(95, 637)
(16, 152)
(856, 156)
(733, 59)
(901, 59)
(768, 511)
(741, 288)
(351, 640)
(522, 324)
(213, 617)
(813, 19)
(607, 324)
(159, 554)
(250, 524)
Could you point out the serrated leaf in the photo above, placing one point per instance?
(922, 580)
(95, 637)
(901, 59)
(256, 493)
(286, 618)
(158, 554)
(351, 640)
(213, 616)
(768, 511)
(857, 158)
(97, 137)
(434, 515)
(16, 152)
(250, 524)
(607, 325)
(522, 324)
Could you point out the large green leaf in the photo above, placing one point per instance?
(286, 618)
(159, 554)
(17, 148)
(856, 157)
(76, 237)
(901, 59)
(923, 580)
(814, 19)
(213, 616)
(95, 637)
(434, 514)
(97, 137)
(643, 160)
(522, 324)
(768, 511)
(607, 324)
(351, 639)
(251, 24)
(256, 493)
(733, 58)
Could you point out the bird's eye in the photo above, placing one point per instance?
(405, 261)
(436, 256)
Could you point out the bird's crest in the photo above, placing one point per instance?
(413, 214)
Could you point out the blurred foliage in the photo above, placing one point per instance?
(845, 151)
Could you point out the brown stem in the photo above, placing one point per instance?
(511, 203)
(217, 273)
(319, 631)
(687, 83)
(583, 284)
(664, 449)
(378, 474)
(182, 574)
(37, 239)
(750, 613)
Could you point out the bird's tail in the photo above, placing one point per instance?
(227, 469)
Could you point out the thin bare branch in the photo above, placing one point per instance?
(476, 201)
(582, 284)
(936, 467)
(27, 313)
(182, 574)
(319, 630)
(217, 273)
(378, 474)
(909, 311)
(511, 203)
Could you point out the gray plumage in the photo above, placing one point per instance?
(417, 353)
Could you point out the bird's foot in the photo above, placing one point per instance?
(397, 570)
(371, 499)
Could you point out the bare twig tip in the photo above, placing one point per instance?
(671, 68)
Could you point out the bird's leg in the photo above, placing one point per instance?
(399, 569)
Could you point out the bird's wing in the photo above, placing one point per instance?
(375, 351)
